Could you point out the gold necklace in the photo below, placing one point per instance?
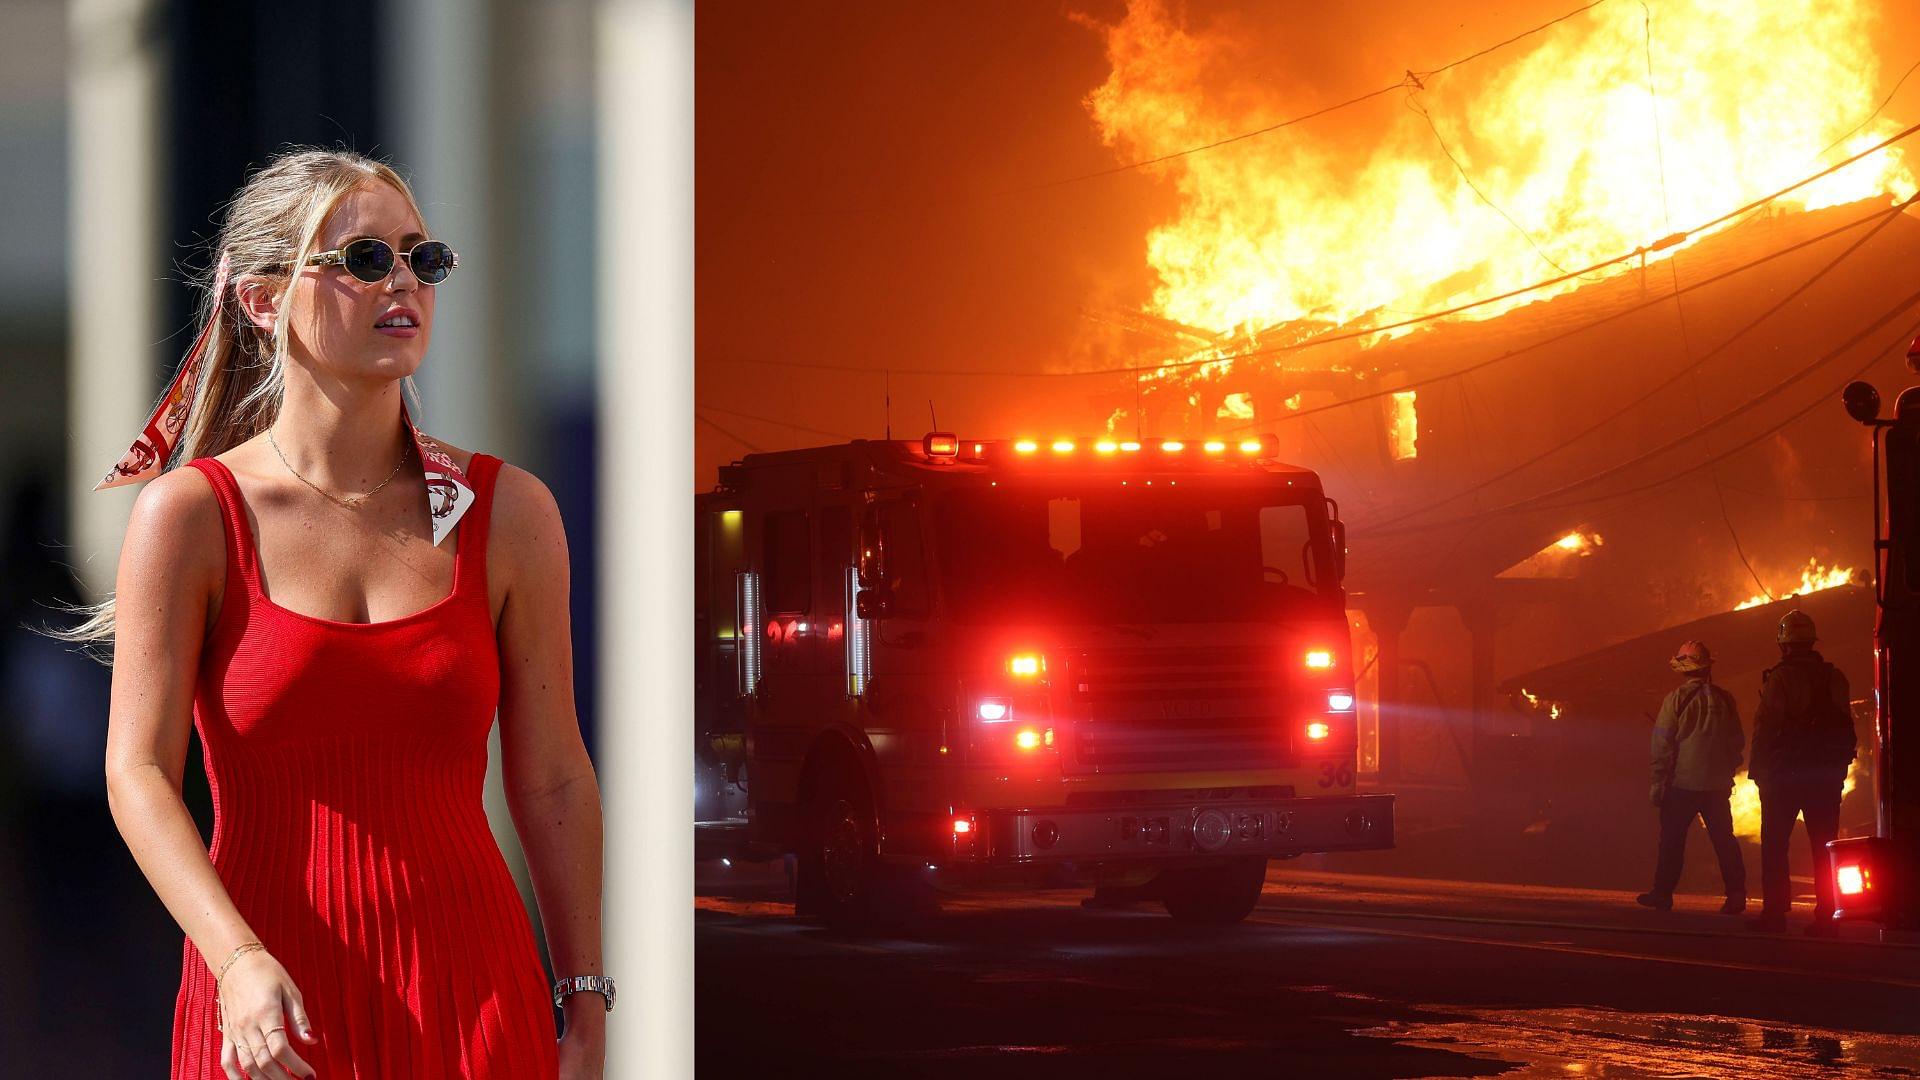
(351, 502)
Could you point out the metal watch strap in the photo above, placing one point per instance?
(599, 984)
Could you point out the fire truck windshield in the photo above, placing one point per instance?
(1132, 556)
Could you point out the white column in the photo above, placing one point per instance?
(446, 138)
(118, 261)
(645, 99)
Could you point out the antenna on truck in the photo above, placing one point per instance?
(889, 385)
(933, 416)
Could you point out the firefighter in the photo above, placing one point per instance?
(1803, 742)
(1697, 745)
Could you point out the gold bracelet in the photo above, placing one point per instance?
(239, 951)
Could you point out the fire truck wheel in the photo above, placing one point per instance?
(1213, 895)
(838, 869)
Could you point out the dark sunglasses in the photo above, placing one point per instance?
(371, 259)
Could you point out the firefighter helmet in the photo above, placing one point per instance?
(1693, 656)
(1796, 628)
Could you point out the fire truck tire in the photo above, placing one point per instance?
(1213, 895)
(838, 869)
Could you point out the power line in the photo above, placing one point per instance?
(1417, 80)
(1888, 100)
(1414, 105)
(729, 433)
(1894, 347)
(1536, 502)
(1882, 216)
(1662, 244)
(771, 420)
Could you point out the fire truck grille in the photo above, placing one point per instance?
(1178, 708)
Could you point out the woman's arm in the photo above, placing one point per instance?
(550, 785)
(172, 566)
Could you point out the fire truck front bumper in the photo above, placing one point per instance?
(1176, 832)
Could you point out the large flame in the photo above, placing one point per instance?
(1579, 153)
(1813, 578)
(1746, 801)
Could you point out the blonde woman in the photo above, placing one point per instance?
(340, 604)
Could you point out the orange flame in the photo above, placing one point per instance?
(1595, 138)
(1746, 801)
(1813, 578)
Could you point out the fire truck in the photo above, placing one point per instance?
(1116, 663)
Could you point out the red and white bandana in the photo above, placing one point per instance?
(448, 492)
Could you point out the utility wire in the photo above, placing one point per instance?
(1885, 218)
(771, 420)
(1662, 244)
(1881, 216)
(729, 433)
(1412, 78)
(1888, 100)
(1894, 347)
(1537, 500)
(1679, 305)
(1415, 105)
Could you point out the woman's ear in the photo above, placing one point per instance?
(258, 300)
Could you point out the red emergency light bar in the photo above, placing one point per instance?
(1061, 448)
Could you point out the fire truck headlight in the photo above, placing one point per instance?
(1318, 730)
(1339, 701)
(1851, 879)
(994, 710)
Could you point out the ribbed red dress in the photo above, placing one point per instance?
(346, 763)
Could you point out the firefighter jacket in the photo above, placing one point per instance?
(1803, 730)
(1697, 741)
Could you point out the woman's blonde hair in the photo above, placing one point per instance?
(272, 224)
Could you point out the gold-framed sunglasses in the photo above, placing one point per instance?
(371, 259)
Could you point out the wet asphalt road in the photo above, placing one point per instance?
(1334, 976)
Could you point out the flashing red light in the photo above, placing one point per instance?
(1025, 446)
(1852, 879)
(1026, 665)
(1173, 446)
(1320, 659)
(962, 826)
(1318, 730)
(940, 444)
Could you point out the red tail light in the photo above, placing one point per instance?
(1852, 879)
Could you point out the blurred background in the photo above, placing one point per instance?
(125, 125)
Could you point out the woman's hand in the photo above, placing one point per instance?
(258, 1003)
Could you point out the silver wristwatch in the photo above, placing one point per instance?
(599, 984)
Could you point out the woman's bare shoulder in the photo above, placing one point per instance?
(526, 524)
(522, 502)
(176, 530)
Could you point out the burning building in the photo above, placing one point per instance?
(1654, 257)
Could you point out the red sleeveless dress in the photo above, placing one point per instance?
(346, 762)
